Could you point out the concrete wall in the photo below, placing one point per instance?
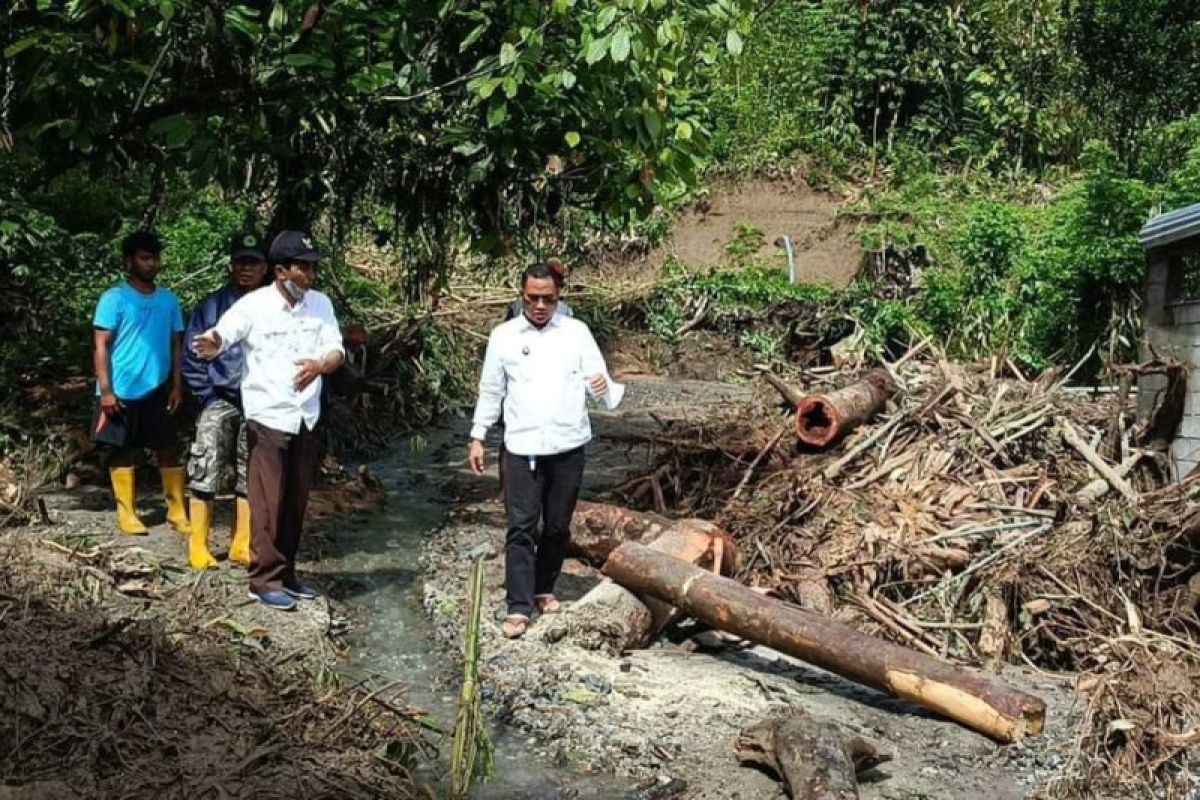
(1172, 329)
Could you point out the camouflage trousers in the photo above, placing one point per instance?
(220, 436)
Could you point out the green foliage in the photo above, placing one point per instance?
(196, 244)
(1041, 283)
(747, 241)
(1003, 84)
(722, 293)
(1139, 63)
(480, 115)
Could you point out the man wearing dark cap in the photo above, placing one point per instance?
(221, 429)
(290, 338)
(137, 334)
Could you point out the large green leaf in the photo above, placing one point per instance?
(597, 50)
(620, 45)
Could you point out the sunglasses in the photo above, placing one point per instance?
(540, 300)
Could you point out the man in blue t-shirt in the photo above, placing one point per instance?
(138, 338)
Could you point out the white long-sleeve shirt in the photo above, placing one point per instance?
(275, 335)
(540, 378)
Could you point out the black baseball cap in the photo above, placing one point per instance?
(293, 246)
(246, 244)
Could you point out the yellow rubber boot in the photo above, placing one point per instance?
(239, 546)
(172, 481)
(198, 556)
(124, 491)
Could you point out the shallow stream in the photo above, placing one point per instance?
(378, 575)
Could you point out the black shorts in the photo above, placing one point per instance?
(142, 424)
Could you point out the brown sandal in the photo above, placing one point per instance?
(547, 604)
(514, 626)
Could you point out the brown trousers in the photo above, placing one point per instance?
(281, 472)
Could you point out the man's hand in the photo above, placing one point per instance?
(310, 370)
(175, 398)
(597, 385)
(207, 345)
(475, 456)
(110, 405)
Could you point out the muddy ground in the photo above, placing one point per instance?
(665, 719)
(826, 247)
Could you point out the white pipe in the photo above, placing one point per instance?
(791, 257)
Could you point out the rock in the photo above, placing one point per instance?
(597, 684)
(486, 551)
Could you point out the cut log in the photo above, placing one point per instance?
(974, 699)
(814, 760)
(612, 618)
(822, 419)
(597, 529)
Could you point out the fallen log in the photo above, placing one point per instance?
(597, 529)
(978, 701)
(822, 419)
(610, 617)
(813, 759)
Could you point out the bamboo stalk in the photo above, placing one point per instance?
(472, 756)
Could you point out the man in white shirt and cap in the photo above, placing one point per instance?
(540, 369)
(290, 338)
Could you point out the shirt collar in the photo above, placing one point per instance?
(526, 325)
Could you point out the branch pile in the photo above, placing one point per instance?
(100, 699)
(984, 519)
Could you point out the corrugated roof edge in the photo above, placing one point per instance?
(1174, 226)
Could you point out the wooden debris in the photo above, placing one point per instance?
(1072, 437)
(971, 698)
(822, 419)
(815, 760)
(790, 394)
(609, 617)
(597, 529)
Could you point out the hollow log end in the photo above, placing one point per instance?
(817, 421)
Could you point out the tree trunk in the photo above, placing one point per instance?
(976, 700)
(822, 419)
(597, 529)
(814, 759)
(612, 618)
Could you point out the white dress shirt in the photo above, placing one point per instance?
(540, 376)
(275, 335)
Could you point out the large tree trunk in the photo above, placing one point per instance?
(976, 700)
(822, 419)
(598, 528)
(612, 618)
(814, 759)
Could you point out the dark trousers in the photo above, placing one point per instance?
(280, 474)
(546, 494)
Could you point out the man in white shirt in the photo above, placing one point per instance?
(290, 337)
(540, 368)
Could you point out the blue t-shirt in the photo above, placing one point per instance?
(142, 326)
